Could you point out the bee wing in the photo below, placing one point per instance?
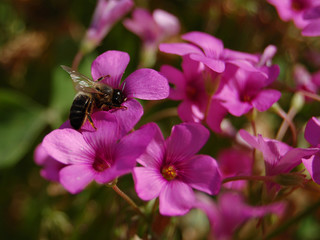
(82, 83)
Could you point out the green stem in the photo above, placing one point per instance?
(249, 178)
(127, 199)
(293, 220)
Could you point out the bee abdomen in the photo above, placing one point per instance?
(79, 109)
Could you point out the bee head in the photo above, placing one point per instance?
(118, 97)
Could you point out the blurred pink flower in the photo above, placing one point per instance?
(312, 29)
(51, 167)
(312, 135)
(303, 79)
(106, 14)
(245, 91)
(278, 157)
(230, 212)
(152, 29)
(188, 86)
(234, 162)
(294, 10)
(211, 52)
(171, 168)
(101, 155)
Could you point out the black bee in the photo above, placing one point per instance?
(91, 94)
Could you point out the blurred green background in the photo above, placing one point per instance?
(37, 36)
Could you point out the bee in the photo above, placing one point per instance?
(91, 95)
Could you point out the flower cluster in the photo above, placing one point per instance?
(215, 87)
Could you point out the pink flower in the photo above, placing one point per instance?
(211, 52)
(101, 155)
(152, 29)
(304, 80)
(312, 29)
(106, 14)
(188, 86)
(170, 169)
(278, 157)
(294, 10)
(245, 91)
(51, 167)
(144, 83)
(230, 212)
(234, 162)
(312, 135)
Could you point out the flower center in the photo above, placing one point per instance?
(246, 98)
(191, 92)
(100, 164)
(169, 172)
(298, 5)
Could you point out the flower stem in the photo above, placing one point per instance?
(127, 199)
(76, 61)
(249, 178)
(286, 118)
(310, 95)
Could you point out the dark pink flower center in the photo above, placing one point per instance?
(299, 5)
(169, 172)
(100, 164)
(246, 98)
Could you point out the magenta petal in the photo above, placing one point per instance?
(146, 84)
(186, 140)
(313, 166)
(179, 48)
(312, 29)
(212, 46)
(148, 182)
(112, 64)
(312, 131)
(216, 113)
(132, 146)
(154, 154)
(214, 64)
(176, 198)
(249, 139)
(265, 99)
(204, 174)
(75, 178)
(177, 78)
(67, 146)
(188, 112)
(129, 117)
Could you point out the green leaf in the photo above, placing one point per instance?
(21, 122)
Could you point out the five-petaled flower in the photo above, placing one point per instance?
(101, 155)
(170, 169)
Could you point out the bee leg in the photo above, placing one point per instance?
(103, 77)
(90, 121)
(88, 113)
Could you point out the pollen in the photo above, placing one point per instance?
(169, 172)
(246, 98)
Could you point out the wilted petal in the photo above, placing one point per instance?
(176, 198)
(312, 131)
(202, 173)
(148, 182)
(146, 84)
(110, 65)
(75, 178)
(186, 140)
(212, 46)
